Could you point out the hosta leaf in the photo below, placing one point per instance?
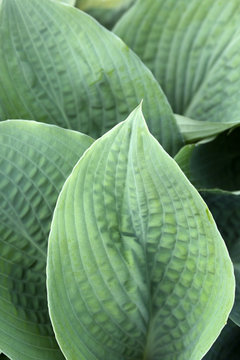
(35, 160)
(214, 164)
(136, 266)
(227, 345)
(225, 207)
(192, 48)
(193, 130)
(70, 71)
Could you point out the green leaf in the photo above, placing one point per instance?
(70, 71)
(136, 266)
(227, 345)
(35, 160)
(195, 130)
(213, 165)
(192, 48)
(225, 207)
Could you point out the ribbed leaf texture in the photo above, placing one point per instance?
(136, 266)
(192, 48)
(58, 65)
(35, 160)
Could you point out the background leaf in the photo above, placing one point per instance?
(193, 130)
(70, 71)
(108, 17)
(136, 266)
(225, 207)
(35, 160)
(215, 164)
(192, 48)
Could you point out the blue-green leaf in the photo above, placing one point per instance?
(136, 266)
(35, 160)
(192, 48)
(58, 65)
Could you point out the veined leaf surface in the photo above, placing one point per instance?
(136, 266)
(35, 160)
(192, 48)
(58, 65)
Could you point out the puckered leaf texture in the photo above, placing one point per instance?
(58, 65)
(35, 160)
(136, 266)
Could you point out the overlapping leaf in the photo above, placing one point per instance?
(58, 65)
(194, 130)
(136, 266)
(35, 160)
(108, 17)
(192, 47)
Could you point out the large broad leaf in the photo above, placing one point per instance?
(215, 164)
(227, 345)
(136, 266)
(35, 160)
(225, 207)
(193, 48)
(58, 65)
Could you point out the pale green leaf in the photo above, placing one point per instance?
(136, 266)
(35, 160)
(58, 65)
(192, 48)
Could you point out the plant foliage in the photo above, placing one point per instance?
(119, 236)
